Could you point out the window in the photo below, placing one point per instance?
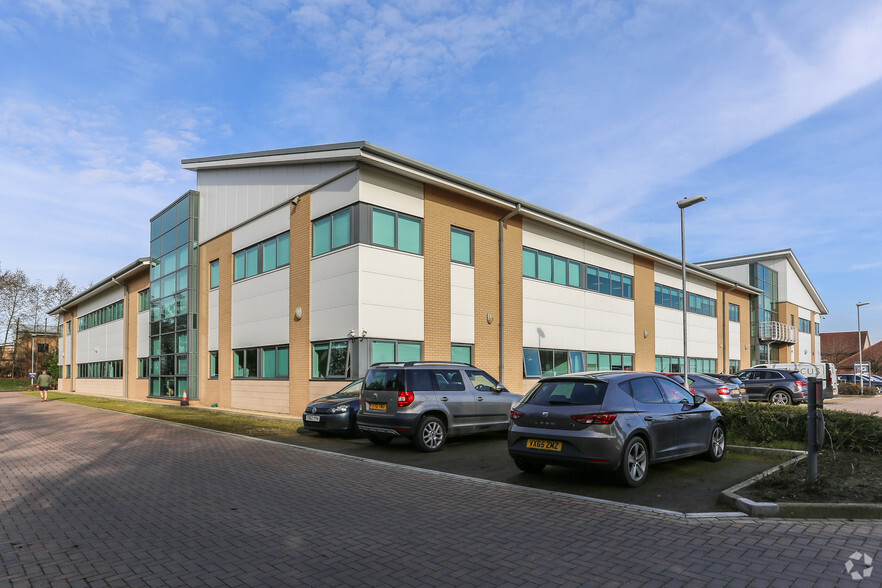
(461, 246)
(143, 367)
(461, 353)
(330, 359)
(98, 317)
(263, 257)
(567, 272)
(332, 231)
(144, 300)
(702, 305)
(396, 231)
(805, 326)
(257, 362)
(673, 298)
(734, 365)
(214, 274)
(734, 313)
(548, 362)
(100, 369)
(396, 351)
(481, 381)
(671, 364)
(212, 364)
(42, 348)
(817, 328)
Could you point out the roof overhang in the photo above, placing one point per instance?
(107, 283)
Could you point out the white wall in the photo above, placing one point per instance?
(558, 242)
(269, 225)
(702, 333)
(228, 197)
(109, 296)
(334, 196)
(391, 294)
(213, 319)
(143, 333)
(462, 303)
(734, 342)
(260, 310)
(334, 294)
(101, 343)
(673, 278)
(392, 192)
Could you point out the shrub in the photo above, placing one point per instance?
(764, 424)
(855, 390)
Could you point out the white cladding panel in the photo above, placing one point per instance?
(674, 278)
(558, 317)
(213, 319)
(558, 242)
(805, 347)
(738, 273)
(260, 310)
(143, 334)
(335, 195)
(114, 294)
(734, 343)
(702, 336)
(269, 225)
(462, 303)
(334, 295)
(668, 331)
(229, 197)
(391, 294)
(392, 192)
(101, 343)
(791, 289)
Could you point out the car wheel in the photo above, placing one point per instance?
(780, 397)
(528, 465)
(635, 462)
(717, 447)
(430, 434)
(378, 439)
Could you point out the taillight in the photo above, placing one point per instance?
(724, 391)
(692, 389)
(515, 414)
(802, 385)
(594, 418)
(405, 399)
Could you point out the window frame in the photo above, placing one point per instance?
(396, 228)
(250, 261)
(470, 235)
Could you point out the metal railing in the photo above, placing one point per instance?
(775, 331)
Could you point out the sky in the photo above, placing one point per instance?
(608, 111)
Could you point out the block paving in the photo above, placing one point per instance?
(96, 498)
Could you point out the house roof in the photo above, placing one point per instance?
(102, 285)
(844, 341)
(376, 156)
(872, 353)
(770, 255)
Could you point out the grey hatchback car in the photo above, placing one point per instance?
(426, 401)
(618, 421)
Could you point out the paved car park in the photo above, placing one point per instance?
(95, 498)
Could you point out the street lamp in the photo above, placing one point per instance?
(860, 345)
(683, 204)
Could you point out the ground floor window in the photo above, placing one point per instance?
(261, 362)
(100, 369)
(461, 353)
(143, 367)
(212, 364)
(396, 351)
(734, 365)
(555, 362)
(331, 359)
(673, 364)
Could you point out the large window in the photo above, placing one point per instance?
(332, 231)
(111, 312)
(673, 298)
(555, 362)
(100, 369)
(330, 359)
(261, 362)
(262, 257)
(567, 272)
(461, 246)
(699, 365)
(396, 351)
(702, 305)
(396, 230)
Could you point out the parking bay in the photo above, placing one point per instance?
(690, 485)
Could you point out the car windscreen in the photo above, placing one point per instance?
(573, 392)
(385, 379)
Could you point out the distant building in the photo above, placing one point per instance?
(871, 354)
(33, 345)
(286, 273)
(838, 346)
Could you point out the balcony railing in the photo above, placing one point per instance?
(777, 332)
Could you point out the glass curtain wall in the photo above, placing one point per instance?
(173, 296)
(763, 309)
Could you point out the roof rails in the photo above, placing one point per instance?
(414, 363)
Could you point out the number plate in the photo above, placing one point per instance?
(377, 405)
(543, 444)
(312, 417)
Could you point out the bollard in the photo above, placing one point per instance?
(814, 387)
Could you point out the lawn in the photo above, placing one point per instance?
(12, 384)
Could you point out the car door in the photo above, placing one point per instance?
(492, 407)
(458, 398)
(658, 416)
(755, 388)
(692, 424)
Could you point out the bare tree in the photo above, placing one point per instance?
(15, 288)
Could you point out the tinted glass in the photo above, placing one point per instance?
(529, 263)
(409, 235)
(321, 236)
(341, 224)
(644, 390)
(383, 228)
(448, 380)
(562, 392)
(385, 379)
(460, 246)
(673, 393)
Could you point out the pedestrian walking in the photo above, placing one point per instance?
(43, 382)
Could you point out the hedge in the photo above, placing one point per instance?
(764, 424)
(855, 390)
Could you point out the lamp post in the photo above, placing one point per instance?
(684, 204)
(860, 345)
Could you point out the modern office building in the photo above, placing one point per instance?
(285, 273)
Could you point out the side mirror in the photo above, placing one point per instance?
(699, 400)
(501, 388)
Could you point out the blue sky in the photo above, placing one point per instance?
(609, 111)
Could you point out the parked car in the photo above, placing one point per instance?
(735, 383)
(618, 421)
(777, 386)
(334, 413)
(825, 372)
(874, 381)
(427, 401)
(713, 389)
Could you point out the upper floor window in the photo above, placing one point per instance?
(805, 326)
(567, 272)
(262, 257)
(332, 231)
(461, 246)
(702, 305)
(111, 312)
(144, 300)
(214, 274)
(668, 297)
(734, 313)
(396, 230)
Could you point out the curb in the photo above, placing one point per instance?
(800, 510)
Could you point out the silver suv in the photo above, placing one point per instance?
(426, 401)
